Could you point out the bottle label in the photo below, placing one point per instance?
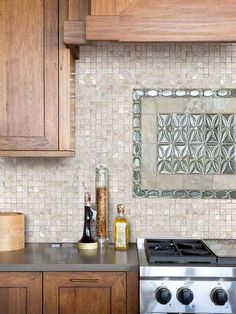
(120, 234)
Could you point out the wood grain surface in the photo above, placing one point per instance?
(20, 293)
(51, 72)
(66, 104)
(74, 33)
(29, 74)
(132, 293)
(165, 21)
(109, 7)
(3, 78)
(75, 300)
(23, 70)
(102, 27)
(79, 9)
(122, 5)
(36, 153)
(36, 104)
(13, 300)
(103, 7)
(107, 290)
(12, 231)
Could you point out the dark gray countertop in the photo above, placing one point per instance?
(44, 257)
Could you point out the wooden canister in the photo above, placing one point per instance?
(12, 231)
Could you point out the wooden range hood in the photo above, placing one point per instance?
(156, 21)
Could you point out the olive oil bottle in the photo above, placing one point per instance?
(121, 230)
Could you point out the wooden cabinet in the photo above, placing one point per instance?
(162, 21)
(20, 293)
(108, 7)
(85, 293)
(90, 293)
(69, 293)
(35, 94)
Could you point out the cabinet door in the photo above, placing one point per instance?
(85, 293)
(20, 293)
(28, 75)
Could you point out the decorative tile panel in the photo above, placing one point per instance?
(195, 143)
(187, 143)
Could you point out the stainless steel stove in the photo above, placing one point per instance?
(187, 276)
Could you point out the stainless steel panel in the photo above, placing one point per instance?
(170, 272)
(222, 247)
(201, 303)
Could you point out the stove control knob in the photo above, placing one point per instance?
(185, 296)
(163, 295)
(219, 296)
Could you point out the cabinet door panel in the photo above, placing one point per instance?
(20, 293)
(84, 300)
(13, 300)
(24, 68)
(29, 75)
(85, 293)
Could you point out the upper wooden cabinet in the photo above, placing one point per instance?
(108, 7)
(162, 20)
(35, 82)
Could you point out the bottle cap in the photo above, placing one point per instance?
(120, 208)
(87, 198)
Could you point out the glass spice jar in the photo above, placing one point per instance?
(102, 206)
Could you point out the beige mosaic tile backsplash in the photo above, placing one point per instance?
(50, 191)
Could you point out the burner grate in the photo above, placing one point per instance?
(178, 251)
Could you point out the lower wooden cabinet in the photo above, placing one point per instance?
(69, 293)
(20, 293)
(85, 293)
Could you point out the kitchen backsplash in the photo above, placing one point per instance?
(50, 191)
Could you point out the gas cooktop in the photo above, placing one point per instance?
(178, 251)
(187, 276)
(194, 251)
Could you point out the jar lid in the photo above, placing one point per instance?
(101, 170)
